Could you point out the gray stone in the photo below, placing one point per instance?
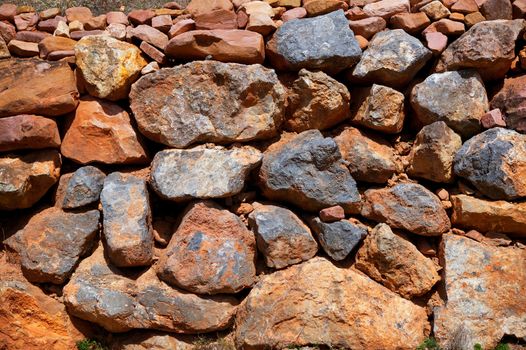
(494, 162)
(320, 43)
(84, 187)
(202, 172)
(457, 98)
(307, 170)
(281, 236)
(127, 220)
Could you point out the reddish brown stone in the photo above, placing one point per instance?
(49, 13)
(496, 9)
(465, 6)
(197, 7)
(410, 22)
(321, 7)
(511, 100)
(162, 23)
(295, 13)
(7, 12)
(332, 214)
(28, 132)
(436, 42)
(181, 27)
(218, 19)
(58, 55)
(492, 119)
(55, 43)
(137, 17)
(50, 25)
(446, 27)
(81, 14)
(150, 35)
(26, 21)
(94, 23)
(153, 53)
(386, 8)
(31, 36)
(7, 32)
(367, 27)
(116, 17)
(23, 48)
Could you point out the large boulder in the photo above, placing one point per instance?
(28, 132)
(511, 100)
(37, 87)
(307, 170)
(488, 47)
(208, 101)
(320, 43)
(457, 98)
(483, 291)
(202, 172)
(318, 303)
(83, 188)
(495, 163)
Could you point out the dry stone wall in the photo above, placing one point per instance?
(264, 175)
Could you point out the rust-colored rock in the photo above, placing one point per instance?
(55, 43)
(28, 132)
(217, 19)
(511, 100)
(197, 7)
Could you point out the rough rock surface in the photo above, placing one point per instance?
(407, 206)
(120, 301)
(151, 340)
(320, 43)
(396, 263)
(483, 285)
(511, 100)
(53, 242)
(298, 306)
(307, 171)
(495, 163)
(108, 66)
(211, 252)
(202, 172)
(281, 236)
(83, 188)
(28, 132)
(208, 102)
(130, 241)
(457, 98)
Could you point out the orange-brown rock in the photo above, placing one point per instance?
(410, 22)
(321, 7)
(197, 7)
(318, 303)
(367, 27)
(23, 48)
(55, 43)
(217, 19)
(28, 132)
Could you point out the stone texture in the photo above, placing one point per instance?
(150, 35)
(108, 66)
(202, 172)
(261, 24)
(436, 42)
(83, 188)
(7, 31)
(28, 132)
(181, 27)
(151, 341)
(208, 101)
(488, 47)
(281, 236)
(458, 98)
(435, 10)
(81, 14)
(386, 8)
(316, 101)
(52, 243)
(495, 163)
(139, 16)
(23, 48)
(211, 252)
(26, 178)
(4, 50)
(120, 301)
(407, 206)
(298, 306)
(54, 43)
(368, 27)
(392, 58)
(196, 7)
(483, 286)
(217, 19)
(101, 131)
(320, 43)
(36, 87)
(307, 170)
(332, 214)
(493, 119)
(496, 9)
(410, 22)
(396, 263)
(511, 100)
(321, 7)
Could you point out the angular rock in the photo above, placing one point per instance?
(108, 66)
(396, 263)
(368, 315)
(138, 17)
(410, 22)
(307, 170)
(53, 242)
(367, 27)
(261, 24)
(181, 27)
(208, 101)
(407, 206)
(7, 12)
(436, 42)
(28, 132)
(32, 36)
(25, 179)
(7, 32)
(458, 98)
(55, 43)
(320, 43)
(150, 340)
(26, 21)
(81, 14)
(488, 47)
(493, 119)
(202, 172)
(281, 236)
(482, 287)
(162, 23)
(120, 301)
(295, 13)
(496, 9)
(196, 7)
(435, 10)
(217, 19)
(23, 48)
(321, 7)
(4, 50)
(116, 17)
(511, 100)
(83, 188)
(386, 8)
(392, 58)
(316, 101)
(332, 214)
(495, 163)
(153, 53)
(150, 35)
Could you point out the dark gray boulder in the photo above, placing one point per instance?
(83, 188)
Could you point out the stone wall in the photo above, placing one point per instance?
(278, 174)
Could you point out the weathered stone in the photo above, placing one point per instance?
(307, 170)
(7, 31)
(495, 163)
(208, 101)
(316, 101)
(116, 17)
(483, 287)
(410, 22)
(320, 43)
(150, 35)
(367, 27)
(162, 23)
(367, 315)
(332, 214)
(49, 13)
(83, 188)
(101, 132)
(181, 27)
(202, 172)
(196, 7)
(108, 66)
(396, 263)
(7, 12)
(4, 50)
(55, 43)
(407, 206)
(23, 48)
(489, 47)
(295, 13)
(26, 21)
(153, 53)
(28, 132)
(433, 153)
(81, 14)
(511, 100)
(496, 9)
(261, 24)
(121, 301)
(370, 158)
(94, 23)
(53, 242)
(32, 36)
(281, 236)
(435, 10)
(386, 8)
(436, 42)
(151, 341)
(321, 7)
(25, 179)
(211, 252)
(392, 58)
(493, 119)
(217, 19)
(458, 98)
(138, 17)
